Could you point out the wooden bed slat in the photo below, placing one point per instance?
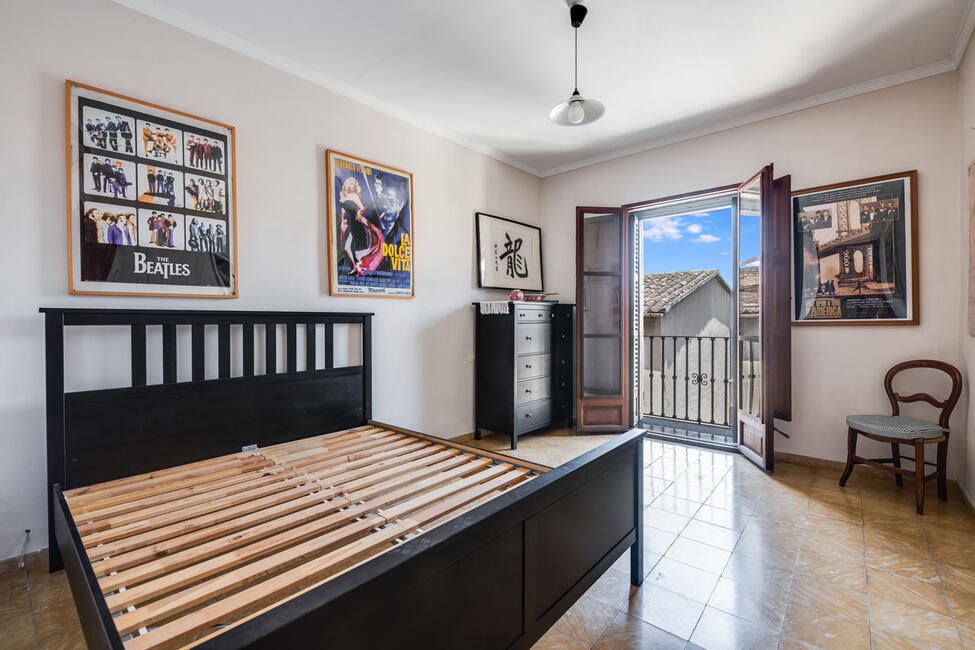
(187, 627)
(182, 498)
(171, 605)
(219, 507)
(145, 563)
(180, 550)
(293, 490)
(139, 511)
(139, 594)
(124, 497)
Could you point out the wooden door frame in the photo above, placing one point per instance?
(628, 210)
(595, 400)
(765, 420)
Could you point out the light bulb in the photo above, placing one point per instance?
(576, 112)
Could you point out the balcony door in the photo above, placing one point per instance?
(602, 323)
(763, 375)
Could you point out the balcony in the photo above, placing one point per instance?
(686, 385)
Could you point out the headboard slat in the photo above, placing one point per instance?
(169, 353)
(138, 337)
(199, 351)
(247, 356)
(100, 435)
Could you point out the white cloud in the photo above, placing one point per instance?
(694, 228)
(666, 228)
(706, 238)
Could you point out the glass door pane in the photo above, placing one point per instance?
(601, 295)
(753, 206)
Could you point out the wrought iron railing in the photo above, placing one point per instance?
(687, 378)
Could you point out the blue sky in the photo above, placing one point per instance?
(696, 240)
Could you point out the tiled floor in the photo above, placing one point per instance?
(735, 558)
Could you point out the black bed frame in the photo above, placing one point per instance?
(497, 576)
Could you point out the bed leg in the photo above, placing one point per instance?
(637, 572)
(54, 561)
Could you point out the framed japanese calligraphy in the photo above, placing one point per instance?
(855, 252)
(151, 199)
(370, 228)
(509, 254)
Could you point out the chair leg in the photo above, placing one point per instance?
(919, 475)
(895, 449)
(942, 470)
(851, 450)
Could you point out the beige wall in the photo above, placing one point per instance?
(423, 378)
(966, 85)
(836, 370)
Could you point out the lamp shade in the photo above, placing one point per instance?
(577, 111)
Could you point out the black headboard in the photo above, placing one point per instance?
(100, 435)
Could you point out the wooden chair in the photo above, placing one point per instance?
(899, 430)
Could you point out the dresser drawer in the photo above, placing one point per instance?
(539, 365)
(529, 315)
(532, 390)
(532, 416)
(532, 339)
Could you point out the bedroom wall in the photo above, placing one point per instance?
(423, 377)
(966, 85)
(835, 370)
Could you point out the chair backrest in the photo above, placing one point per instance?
(947, 405)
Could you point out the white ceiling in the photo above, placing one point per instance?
(485, 73)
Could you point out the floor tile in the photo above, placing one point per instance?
(665, 609)
(846, 571)
(960, 556)
(627, 632)
(760, 601)
(813, 597)
(663, 520)
(882, 585)
(919, 566)
(732, 519)
(657, 540)
(719, 630)
(669, 503)
(613, 588)
(825, 632)
(884, 640)
(913, 622)
(586, 620)
(711, 534)
(684, 579)
(697, 554)
(745, 568)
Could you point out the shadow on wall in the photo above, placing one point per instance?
(446, 373)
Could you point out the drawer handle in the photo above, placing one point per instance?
(528, 415)
(528, 390)
(528, 366)
(528, 338)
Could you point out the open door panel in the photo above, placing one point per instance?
(762, 298)
(602, 341)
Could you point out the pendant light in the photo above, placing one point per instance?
(577, 110)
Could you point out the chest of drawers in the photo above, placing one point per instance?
(523, 373)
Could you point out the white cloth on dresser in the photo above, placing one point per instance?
(494, 307)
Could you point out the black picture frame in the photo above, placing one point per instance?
(483, 281)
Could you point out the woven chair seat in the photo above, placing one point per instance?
(895, 426)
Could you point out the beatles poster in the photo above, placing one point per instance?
(370, 228)
(509, 254)
(151, 199)
(855, 252)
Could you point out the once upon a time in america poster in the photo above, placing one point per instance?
(855, 251)
(370, 228)
(151, 199)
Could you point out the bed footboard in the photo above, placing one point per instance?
(496, 577)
